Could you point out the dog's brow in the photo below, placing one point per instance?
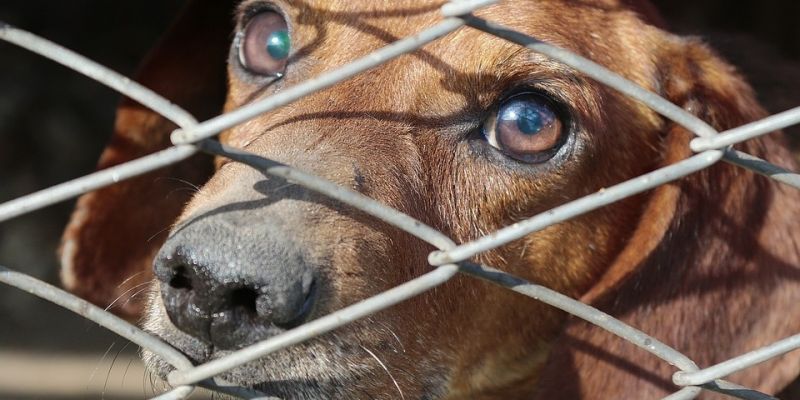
(521, 65)
(248, 6)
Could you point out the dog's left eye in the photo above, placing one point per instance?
(526, 128)
(264, 44)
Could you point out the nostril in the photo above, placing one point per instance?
(301, 314)
(243, 298)
(180, 278)
(309, 300)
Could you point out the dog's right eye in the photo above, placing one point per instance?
(526, 127)
(264, 44)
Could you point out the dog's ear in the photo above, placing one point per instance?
(711, 270)
(114, 233)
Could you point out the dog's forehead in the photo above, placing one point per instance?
(599, 30)
(416, 12)
(467, 68)
(329, 34)
(411, 6)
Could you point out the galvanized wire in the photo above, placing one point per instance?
(736, 364)
(577, 207)
(583, 311)
(121, 84)
(597, 72)
(687, 393)
(97, 72)
(449, 258)
(97, 180)
(332, 190)
(316, 327)
(734, 390)
(313, 85)
(749, 131)
(90, 311)
(762, 167)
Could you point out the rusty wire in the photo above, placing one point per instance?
(449, 259)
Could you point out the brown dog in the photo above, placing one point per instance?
(468, 135)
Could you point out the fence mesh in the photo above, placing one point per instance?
(450, 258)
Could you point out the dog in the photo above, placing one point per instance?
(468, 134)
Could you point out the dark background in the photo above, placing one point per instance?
(53, 125)
(54, 122)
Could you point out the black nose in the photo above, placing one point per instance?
(231, 286)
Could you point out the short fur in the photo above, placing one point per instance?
(708, 264)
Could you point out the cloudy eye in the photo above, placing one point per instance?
(264, 44)
(526, 128)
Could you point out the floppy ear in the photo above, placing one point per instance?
(712, 268)
(114, 233)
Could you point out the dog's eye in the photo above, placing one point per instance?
(264, 45)
(525, 127)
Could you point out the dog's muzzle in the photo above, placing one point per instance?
(230, 282)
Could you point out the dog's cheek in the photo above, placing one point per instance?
(369, 258)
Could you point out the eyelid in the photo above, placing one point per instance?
(247, 49)
(556, 101)
(550, 88)
(246, 12)
(489, 127)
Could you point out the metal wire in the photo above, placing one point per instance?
(316, 327)
(748, 131)
(599, 73)
(94, 313)
(577, 207)
(313, 85)
(122, 84)
(738, 363)
(97, 180)
(97, 72)
(763, 167)
(449, 259)
(330, 189)
(583, 311)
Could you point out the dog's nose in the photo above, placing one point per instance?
(230, 286)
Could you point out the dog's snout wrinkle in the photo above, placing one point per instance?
(229, 286)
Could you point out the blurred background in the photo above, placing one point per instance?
(54, 123)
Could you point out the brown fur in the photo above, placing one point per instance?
(707, 264)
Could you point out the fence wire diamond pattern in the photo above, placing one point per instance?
(450, 259)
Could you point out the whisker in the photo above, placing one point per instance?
(97, 366)
(144, 386)
(177, 190)
(184, 181)
(110, 369)
(166, 228)
(125, 373)
(126, 292)
(129, 278)
(134, 295)
(152, 380)
(402, 348)
(385, 326)
(387, 371)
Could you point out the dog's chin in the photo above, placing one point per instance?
(319, 368)
(335, 365)
(322, 368)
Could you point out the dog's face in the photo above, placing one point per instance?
(468, 135)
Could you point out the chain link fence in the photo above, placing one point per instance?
(451, 258)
